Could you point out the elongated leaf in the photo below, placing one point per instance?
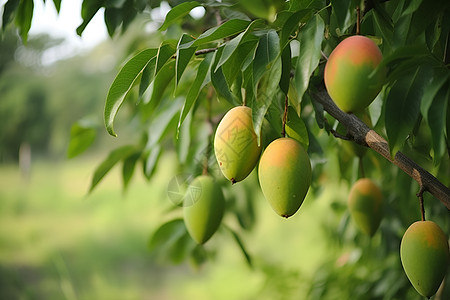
(57, 4)
(241, 246)
(232, 45)
(88, 10)
(296, 128)
(311, 37)
(436, 121)
(122, 85)
(165, 52)
(8, 11)
(151, 161)
(229, 28)
(220, 83)
(197, 85)
(160, 123)
(113, 158)
(82, 135)
(440, 77)
(183, 56)
(177, 13)
(24, 17)
(265, 96)
(147, 76)
(285, 70)
(235, 64)
(160, 84)
(403, 106)
(268, 49)
(292, 24)
(128, 167)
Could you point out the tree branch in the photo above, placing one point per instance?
(365, 136)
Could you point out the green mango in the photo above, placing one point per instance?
(349, 73)
(365, 203)
(425, 257)
(204, 206)
(236, 145)
(285, 175)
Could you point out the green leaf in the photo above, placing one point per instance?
(151, 160)
(178, 12)
(436, 120)
(285, 70)
(183, 56)
(165, 52)
(342, 11)
(235, 64)
(311, 37)
(440, 77)
(220, 83)
(57, 4)
(122, 84)
(171, 242)
(113, 18)
(160, 123)
(88, 10)
(24, 17)
(8, 11)
(183, 142)
(402, 106)
(147, 76)
(296, 128)
(231, 46)
(292, 23)
(197, 85)
(128, 167)
(159, 86)
(114, 157)
(82, 135)
(229, 28)
(266, 95)
(241, 246)
(268, 49)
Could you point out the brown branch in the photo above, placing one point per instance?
(358, 20)
(365, 136)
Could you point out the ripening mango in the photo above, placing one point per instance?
(204, 205)
(365, 203)
(424, 253)
(349, 73)
(236, 145)
(285, 175)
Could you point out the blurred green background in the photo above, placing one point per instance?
(59, 242)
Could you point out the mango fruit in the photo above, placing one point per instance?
(204, 206)
(236, 145)
(349, 73)
(425, 257)
(365, 203)
(285, 175)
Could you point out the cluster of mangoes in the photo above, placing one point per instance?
(352, 81)
(424, 249)
(284, 173)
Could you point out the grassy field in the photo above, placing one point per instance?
(57, 242)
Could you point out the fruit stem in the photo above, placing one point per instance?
(420, 195)
(283, 131)
(358, 19)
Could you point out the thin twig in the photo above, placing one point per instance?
(200, 52)
(283, 130)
